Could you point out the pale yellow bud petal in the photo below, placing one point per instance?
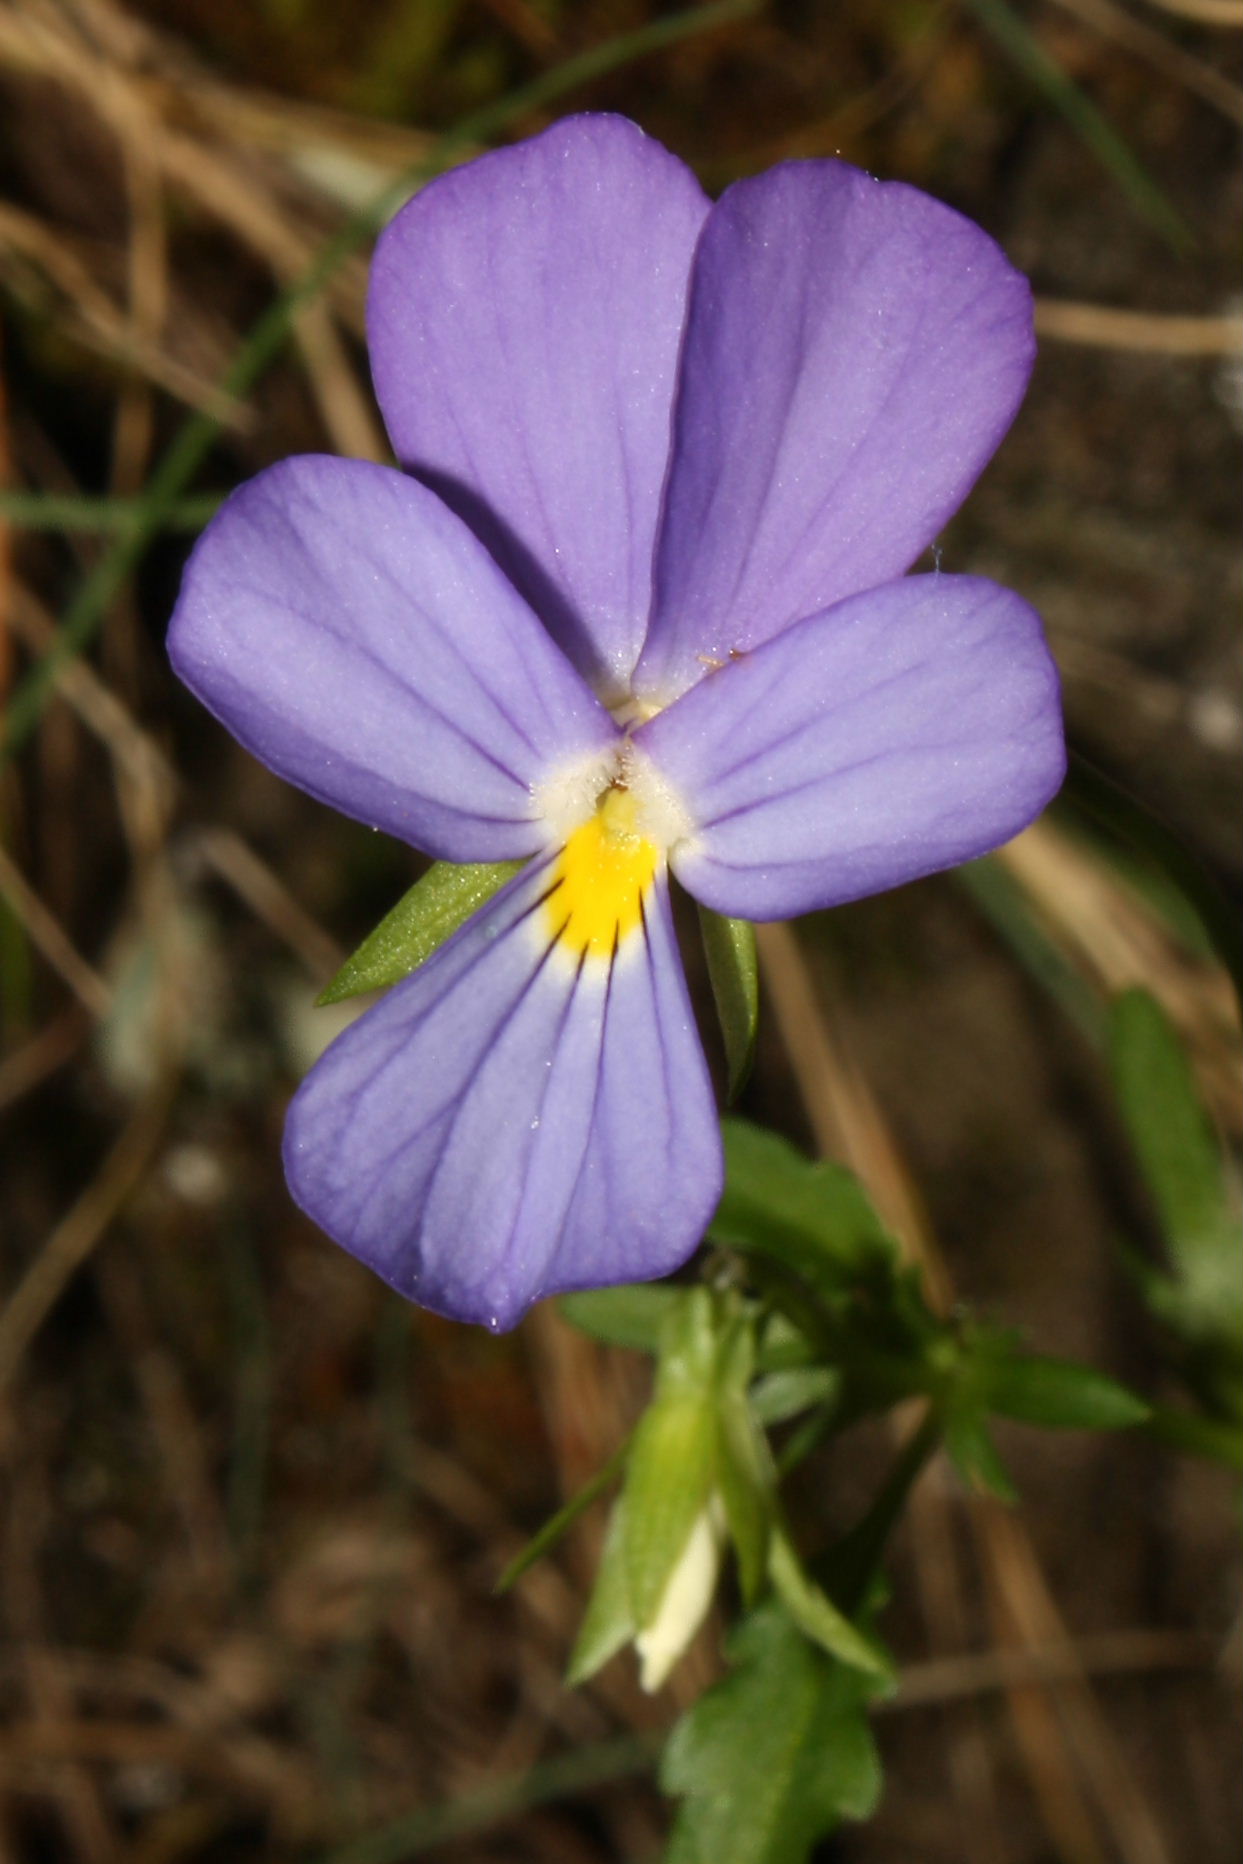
(685, 1600)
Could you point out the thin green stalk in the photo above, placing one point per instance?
(1098, 796)
(553, 1529)
(267, 337)
(505, 1798)
(1196, 1435)
(1002, 901)
(1021, 45)
(39, 511)
(851, 1565)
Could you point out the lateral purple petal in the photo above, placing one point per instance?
(354, 635)
(902, 731)
(524, 320)
(506, 1124)
(854, 353)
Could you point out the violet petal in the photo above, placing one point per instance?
(355, 636)
(506, 1124)
(524, 319)
(855, 351)
(906, 729)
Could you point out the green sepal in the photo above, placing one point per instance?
(689, 1346)
(422, 919)
(608, 1622)
(673, 1455)
(1058, 1394)
(816, 1616)
(667, 1488)
(733, 972)
(745, 1477)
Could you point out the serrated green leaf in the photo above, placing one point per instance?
(1061, 1395)
(814, 1218)
(816, 1616)
(667, 1485)
(608, 1622)
(734, 973)
(1180, 1160)
(422, 920)
(552, 1530)
(773, 1757)
(633, 1315)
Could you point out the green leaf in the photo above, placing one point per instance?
(1180, 1160)
(565, 1517)
(733, 972)
(813, 1218)
(974, 1454)
(783, 1395)
(773, 1757)
(424, 918)
(609, 1621)
(783, 1344)
(816, 1616)
(1061, 1395)
(633, 1315)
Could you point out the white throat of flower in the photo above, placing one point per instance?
(574, 793)
(613, 819)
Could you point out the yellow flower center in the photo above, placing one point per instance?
(600, 878)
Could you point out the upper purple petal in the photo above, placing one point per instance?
(854, 353)
(351, 631)
(524, 319)
(508, 1124)
(906, 729)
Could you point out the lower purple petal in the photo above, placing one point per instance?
(508, 1124)
(900, 732)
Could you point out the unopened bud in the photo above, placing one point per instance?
(686, 1598)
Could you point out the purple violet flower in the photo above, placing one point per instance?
(634, 606)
